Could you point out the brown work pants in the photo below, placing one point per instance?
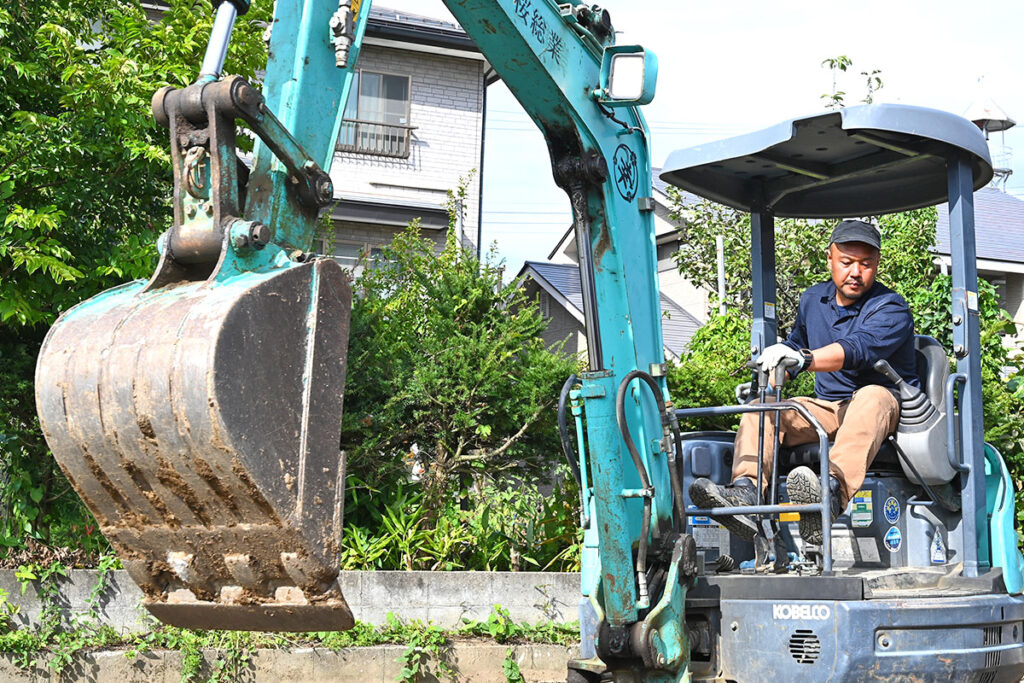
(858, 426)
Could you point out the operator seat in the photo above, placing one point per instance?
(924, 444)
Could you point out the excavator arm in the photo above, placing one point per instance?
(561, 63)
(198, 414)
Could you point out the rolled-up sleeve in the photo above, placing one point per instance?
(881, 333)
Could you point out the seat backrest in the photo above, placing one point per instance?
(925, 443)
(933, 369)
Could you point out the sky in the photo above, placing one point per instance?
(735, 66)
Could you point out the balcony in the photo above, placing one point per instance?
(373, 137)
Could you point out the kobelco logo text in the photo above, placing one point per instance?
(819, 612)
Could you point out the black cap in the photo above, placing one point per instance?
(856, 231)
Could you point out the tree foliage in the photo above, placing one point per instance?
(800, 248)
(713, 364)
(85, 183)
(445, 357)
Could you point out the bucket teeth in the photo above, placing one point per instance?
(290, 595)
(242, 570)
(181, 565)
(200, 423)
(304, 572)
(151, 583)
(232, 595)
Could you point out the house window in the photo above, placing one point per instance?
(376, 117)
(544, 304)
(352, 255)
(345, 253)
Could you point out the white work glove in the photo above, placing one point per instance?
(774, 354)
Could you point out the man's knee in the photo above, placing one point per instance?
(876, 404)
(874, 393)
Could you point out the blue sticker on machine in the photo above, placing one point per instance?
(938, 549)
(893, 539)
(698, 521)
(892, 510)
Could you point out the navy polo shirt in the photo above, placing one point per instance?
(876, 326)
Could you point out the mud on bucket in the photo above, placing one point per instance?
(200, 423)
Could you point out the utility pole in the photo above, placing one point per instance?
(720, 257)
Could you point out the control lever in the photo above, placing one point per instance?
(768, 532)
(781, 374)
(915, 406)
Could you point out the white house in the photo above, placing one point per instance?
(413, 127)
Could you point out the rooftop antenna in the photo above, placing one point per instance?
(990, 118)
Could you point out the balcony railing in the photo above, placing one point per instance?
(372, 137)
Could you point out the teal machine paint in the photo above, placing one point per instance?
(198, 414)
(560, 63)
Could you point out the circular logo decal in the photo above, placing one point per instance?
(627, 175)
(892, 510)
(893, 539)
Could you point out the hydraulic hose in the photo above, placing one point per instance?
(563, 430)
(645, 481)
(675, 456)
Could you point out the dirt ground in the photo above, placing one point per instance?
(39, 553)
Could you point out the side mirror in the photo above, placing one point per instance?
(629, 75)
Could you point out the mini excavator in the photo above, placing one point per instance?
(198, 413)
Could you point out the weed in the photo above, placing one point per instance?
(45, 579)
(427, 645)
(7, 611)
(107, 564)
(510, 667)
(427, 652)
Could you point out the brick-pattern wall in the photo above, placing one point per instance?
(562, 326)
(446, 96)
(1014, 302)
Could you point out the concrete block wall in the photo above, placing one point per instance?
(446, 106)
(444, 598)
(474, 662)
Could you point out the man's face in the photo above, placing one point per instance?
(853, 266)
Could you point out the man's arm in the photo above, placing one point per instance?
(828, 358)
(882, 333)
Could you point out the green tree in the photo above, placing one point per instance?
(800, 249)
(85, 183)
(443, 356)
(841, 64)
(713, 364)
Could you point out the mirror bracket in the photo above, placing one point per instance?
(641, 92)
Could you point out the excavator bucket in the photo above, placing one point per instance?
(200, 423)
(198, 415)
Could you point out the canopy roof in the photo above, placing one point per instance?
(860, 161)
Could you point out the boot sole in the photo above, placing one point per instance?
(804, 491)
(741, 526)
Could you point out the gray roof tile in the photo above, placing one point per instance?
(689, 199)
(387, 14)
(998, 226)
(677, 325)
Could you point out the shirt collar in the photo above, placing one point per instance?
(855, 307)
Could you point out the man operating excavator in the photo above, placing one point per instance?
(842, 328)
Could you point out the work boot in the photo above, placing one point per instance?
(804, 488)
(707, 494)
